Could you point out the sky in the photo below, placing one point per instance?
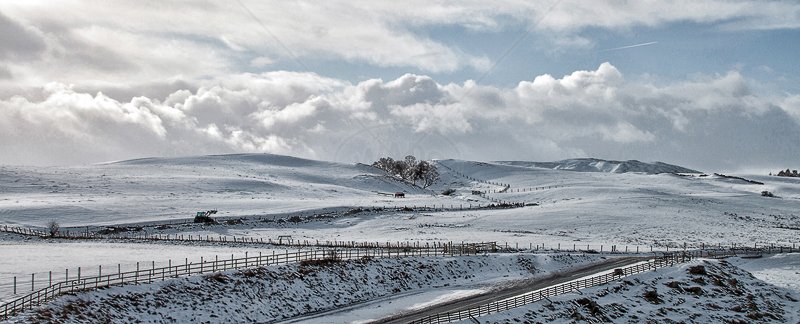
(707, 84)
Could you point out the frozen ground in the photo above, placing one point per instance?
(697, 292)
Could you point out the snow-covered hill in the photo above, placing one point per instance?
(703, 291)
(578, 208)
(598, 165)
(169, 188)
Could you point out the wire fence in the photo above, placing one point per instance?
(505, 188)
(143, 276)
(289, 242)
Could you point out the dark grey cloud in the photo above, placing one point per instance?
(18, 42)
(5, 73)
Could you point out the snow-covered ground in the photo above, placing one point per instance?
(701, 291)
(603, 207)
(62, 258)
(579, 207)
(283, 292)
(167, 189)
(782, 270)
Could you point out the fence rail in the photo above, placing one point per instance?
(503, 247)
(143, 276)
(537, 295)
(506, 188)
(667, 260)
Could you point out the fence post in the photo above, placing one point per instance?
(15, 285)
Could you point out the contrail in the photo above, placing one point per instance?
(626, 47)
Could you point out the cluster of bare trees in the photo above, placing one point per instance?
(787, 173)
(409, 170)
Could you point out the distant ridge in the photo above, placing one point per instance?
(608, 166)
(257, 158)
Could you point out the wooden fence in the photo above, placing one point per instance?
(143, 276)
(534, 296)
(22, 231)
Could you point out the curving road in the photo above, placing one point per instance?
(518, 289)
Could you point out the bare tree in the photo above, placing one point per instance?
(410, 165)
(426, 173)
(409, 170)
(53, 227)
(384, 164)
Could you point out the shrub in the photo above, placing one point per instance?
(674, 285)
(354, 211)
(319, 263)
(698, 270)
(590, 305)
(448, 191)
(652, 296)
(767, 194)
(295, 219)
(218, 277)
(52, 228)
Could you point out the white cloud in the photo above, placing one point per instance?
(703, 121)
(129, 42)
(261, 62)
(791, 105)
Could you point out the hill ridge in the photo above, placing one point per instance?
(601, 165)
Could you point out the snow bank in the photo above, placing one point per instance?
(701, 291)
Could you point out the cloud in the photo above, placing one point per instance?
(130, 43)
(791, 105)
(19, 42)
(711, 121)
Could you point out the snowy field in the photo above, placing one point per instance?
(632, 208)
(40, 257)
(568, 203)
